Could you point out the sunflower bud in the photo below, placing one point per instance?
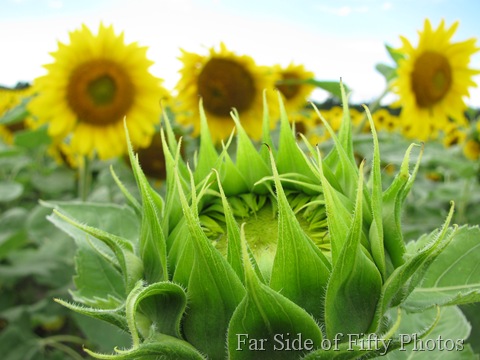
(273, 254)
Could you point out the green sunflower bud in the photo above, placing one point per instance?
(271, 252)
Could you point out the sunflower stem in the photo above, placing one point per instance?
(84, 178)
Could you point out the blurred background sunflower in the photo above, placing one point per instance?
(224, 81)
(293, 85)
(94, 82)
(433, 79)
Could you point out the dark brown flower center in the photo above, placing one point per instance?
(224, 84)
(100, 92)
(289, 90)
(431, 78)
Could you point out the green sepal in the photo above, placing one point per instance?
(128, 196)
(266, 132)
(338, 214)
(300, 271)
(376, 227)
(152, 245)
(249, 162)
(405, 278)
(158, 347)
(234, 246)
(289, 157)
(172, 202)
(232, 179)
(156, 307)
(130, 264)
(208, 157)
(207, 318)
(115, 317)
(265, 314)
(392, 202)
(355, 284)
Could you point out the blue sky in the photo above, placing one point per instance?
(331, 38)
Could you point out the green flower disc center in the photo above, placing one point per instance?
(259, 213)
(431, 78)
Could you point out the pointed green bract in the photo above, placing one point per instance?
(209, 315)
(299, 272)
(355, 283)
(267, 320)
(264, 252)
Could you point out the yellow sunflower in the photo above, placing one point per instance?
(433, 79)
(10, 98)
(223, 80)
(295, 95)
(93, 84)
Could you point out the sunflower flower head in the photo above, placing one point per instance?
(9, 99)
(292, 84)
(433, 79)
(223, 81)
(94, 82)
(258, 243)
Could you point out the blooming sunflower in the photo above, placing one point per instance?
(93, 84)
(223, 80)
(432, 80)
(295, 94)
(9, 99)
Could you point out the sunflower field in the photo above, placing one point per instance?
(232, 217)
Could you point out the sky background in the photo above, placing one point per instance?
(334, 39)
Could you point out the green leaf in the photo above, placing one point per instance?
(12, 232)
(300, 270)
(446, 341)
(56, 182)
(17, 114)
(333, 87)
(395, 54)
(387, 71)
(10, 190)
(454, 277)
(265, 321)
(32, 139)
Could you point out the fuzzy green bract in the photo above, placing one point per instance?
(276, 251)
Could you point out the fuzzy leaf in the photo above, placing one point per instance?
(454, 277)
(452, 329)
